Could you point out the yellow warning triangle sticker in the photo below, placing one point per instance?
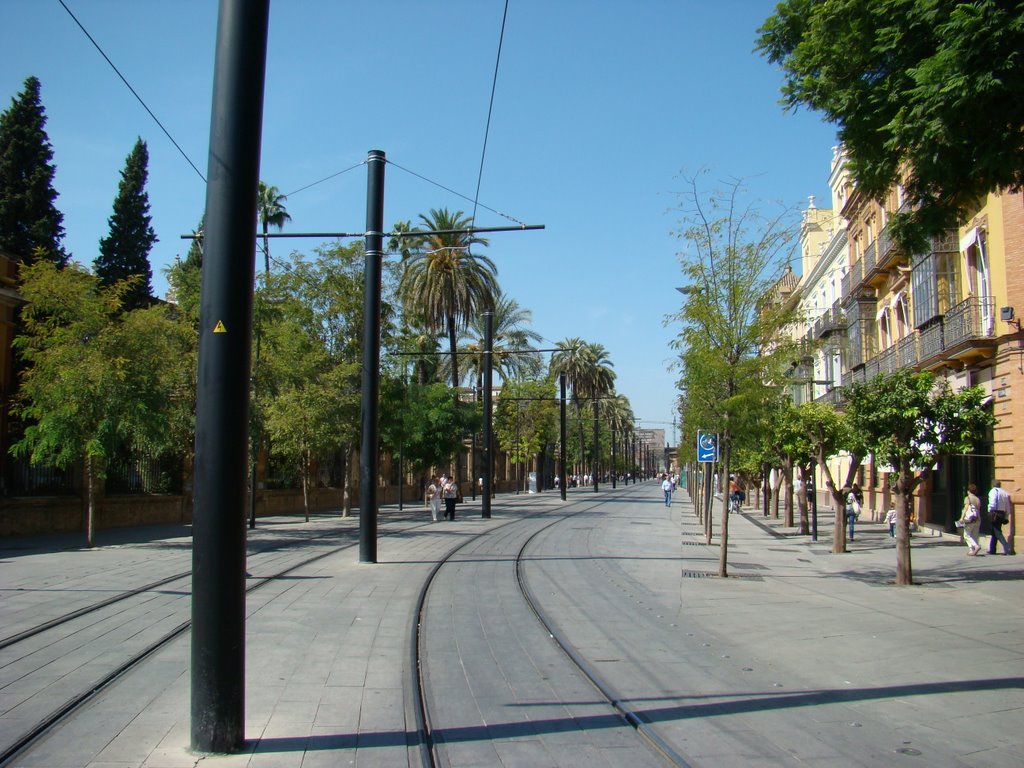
(219, 327)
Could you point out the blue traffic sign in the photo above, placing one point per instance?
(707, 446)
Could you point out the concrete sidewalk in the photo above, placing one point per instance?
(327, 645)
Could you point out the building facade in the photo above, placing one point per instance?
(951, 310)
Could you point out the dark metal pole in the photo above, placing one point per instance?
(485, 501)
(614, 469)
(561, 434)
(369, 456)
(222, 391)
(593, 455)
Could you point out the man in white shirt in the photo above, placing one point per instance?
(999, 507)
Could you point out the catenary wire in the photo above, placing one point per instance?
(457, 194)
(490, 110)
(134, 92)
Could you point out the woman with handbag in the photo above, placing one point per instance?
(970, 519)
(852, 508)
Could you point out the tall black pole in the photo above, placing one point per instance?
(594, 454)
(222, 391)
(488, 458)
(614, 468)
(561, 434)
(369, 457)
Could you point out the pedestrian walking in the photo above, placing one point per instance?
(970, 519)
(852, 508)
(890, 520)
(666, 486)
(451, 498)
(434, 498)
(999, 507)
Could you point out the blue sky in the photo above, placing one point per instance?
(600, 107)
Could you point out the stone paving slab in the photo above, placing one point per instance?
(326, 649)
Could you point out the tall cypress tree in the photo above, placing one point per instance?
(124, 252)
(31, 227)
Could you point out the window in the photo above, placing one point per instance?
(979, 284)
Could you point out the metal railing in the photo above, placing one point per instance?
(27, 479)
(870, 258)
(907, 354)
(971, 319)
(930, 340)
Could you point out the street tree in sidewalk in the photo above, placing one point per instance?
(96, 379)
(309, 317)
(31, 227)
(786, 445)
(730, 343)
(425, 421)
(526, 419)
(829, 434)
(124, 252)
(908, 421)
(928, 94)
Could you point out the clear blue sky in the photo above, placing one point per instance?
(600, 106)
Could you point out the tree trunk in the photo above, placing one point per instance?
(346, 483)
(904, 498)
(90, 504)
(723, 544)
(787, 483)
(775, 496)
(305, 483)
(802, 500)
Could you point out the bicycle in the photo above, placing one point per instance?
(734, 503)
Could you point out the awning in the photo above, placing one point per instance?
(969, 239)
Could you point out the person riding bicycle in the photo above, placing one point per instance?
(736, 494)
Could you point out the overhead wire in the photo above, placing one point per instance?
(490, 111)
(134, 92)
(457, 194)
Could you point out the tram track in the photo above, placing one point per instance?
(428, 749)
(142, 645)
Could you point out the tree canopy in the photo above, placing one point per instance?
(124, 252)
(926, 93)
(31, 227)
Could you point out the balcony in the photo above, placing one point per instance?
(930, 341)
(888, 360)
(832, 396)
(870, 258)
(907, 351)
(832, 321)
(969, 320)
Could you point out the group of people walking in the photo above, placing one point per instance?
(446, 489)
(998, 511)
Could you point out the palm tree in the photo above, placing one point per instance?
(511, 351)
(272, 213)
(587, 372)
(444, 282)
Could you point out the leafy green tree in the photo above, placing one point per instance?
(730, 344)
(526, 419)
(908, 421)
(926, 93)
(425, 420)
(96, 378)
(124, 253)
(311, 325)
(31, 227)
(271, 212)
(831, 433)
